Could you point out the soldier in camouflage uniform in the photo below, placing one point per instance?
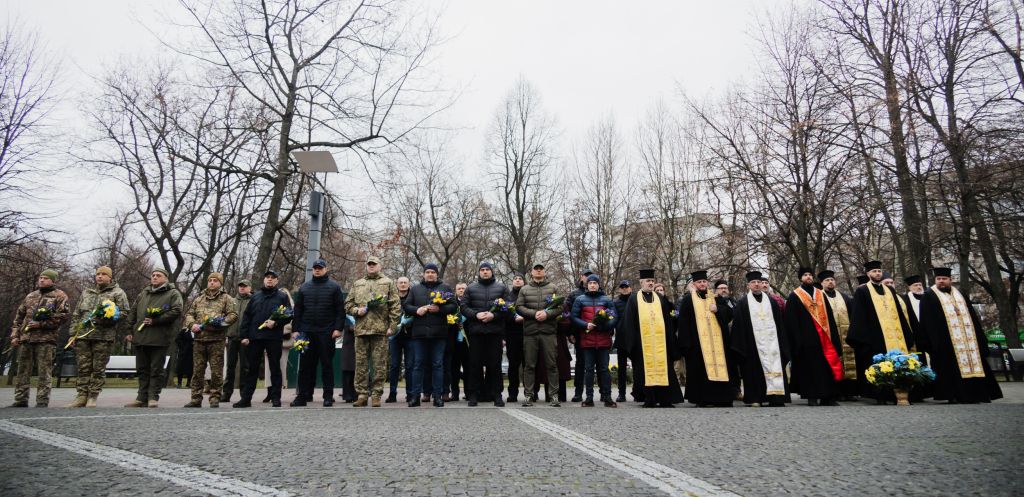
(93, 350)
(373, 326)
(208, 347)
(38, 339)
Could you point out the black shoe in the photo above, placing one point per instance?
(415, 402)
(275, 403)
(588, 403)
(194, 404)
(513, 398)
(391, 398)
(438, 402)
(829, 403)
(266, 399)
(471, 401)
(621, 398)
(498, 402)
(776, 404)
(609, 403)
(812, 402)
(241, 404)
(652, 404)
(329, 403)
(579, 398)
(298, 402)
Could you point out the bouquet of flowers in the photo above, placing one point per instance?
(602, 317)
(42, 314)
(154, 312)
(441, 298)
(216, 322)
(376, 301)
(301, 343)
(280, 313)
(898, 371)
(553, 301)
(501, 306)
(106, 312)
(452, 319)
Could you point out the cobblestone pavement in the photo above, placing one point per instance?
(856, 449)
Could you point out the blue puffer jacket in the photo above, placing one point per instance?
(583, 311)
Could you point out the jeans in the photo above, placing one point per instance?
(401, 346)
(428, 350)
(597, 358)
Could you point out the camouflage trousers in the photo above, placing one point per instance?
(92, 357)
(41, 354)
(371, 353)
(204, 353)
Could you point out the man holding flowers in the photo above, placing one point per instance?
(153, 322)
(209, 318)
(92, 350)
(266, 315)
(487, 310)
(433, 306)
(35, 328)
(373, 302)
(319, 314)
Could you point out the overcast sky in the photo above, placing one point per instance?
(586, 58)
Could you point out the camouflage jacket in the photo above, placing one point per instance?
(91, 298)
(379, 319)
(209, 304)
(164, 328)
(55, 299)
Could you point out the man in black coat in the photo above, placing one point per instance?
(758, 337)
(704, 333)
(320, 315)
(514, 341)
(486, 329)
(432, 315)
(262, 335)
(957, 344)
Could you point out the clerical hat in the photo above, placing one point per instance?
(868, 266)
(800, 272)
(826, 274)
(647, 274)
(942, 271)
(753, 276)
(910, 280)
(698, 275)
(862, 279)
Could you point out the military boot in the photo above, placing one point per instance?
(375, 401)
(79, 401)
(91, 402)
(360, 402)
(136, 403)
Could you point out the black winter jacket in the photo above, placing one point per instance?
(480, 297)
(262, 304)
(319, 306)
(430, 325)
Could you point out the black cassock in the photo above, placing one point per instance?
(700, 390)
(812, 376)
(867, 339)
(949, 385)
(629, 343)
(743, 343)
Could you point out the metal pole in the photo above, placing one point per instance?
(316, 214)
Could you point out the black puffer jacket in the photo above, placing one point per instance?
(319, 306)
(262, 304)
(480, 297)
(512, 328)
(430, 325)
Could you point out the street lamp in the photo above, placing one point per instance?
(315, 162)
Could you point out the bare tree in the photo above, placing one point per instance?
(350, 72)
(521, 147)
(27, 78)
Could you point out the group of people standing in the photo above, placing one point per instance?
(758, 348)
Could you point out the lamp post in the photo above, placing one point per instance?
(315, 162)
